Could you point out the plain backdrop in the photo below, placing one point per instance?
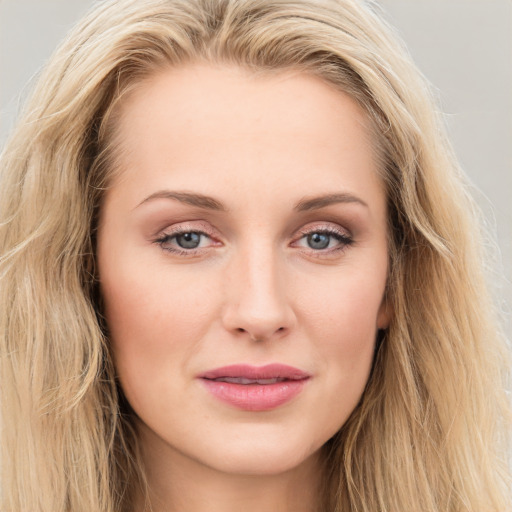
(464, 48)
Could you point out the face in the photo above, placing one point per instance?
(242, 254)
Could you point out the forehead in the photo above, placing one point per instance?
(210, 93)
(226, 125)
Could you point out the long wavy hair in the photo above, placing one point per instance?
(430, 432)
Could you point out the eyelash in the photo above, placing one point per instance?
(167, 237)
(342, 238)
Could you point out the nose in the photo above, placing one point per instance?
(257, 305)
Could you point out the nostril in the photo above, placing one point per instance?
(241, 330)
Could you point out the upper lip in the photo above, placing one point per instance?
(269, 371)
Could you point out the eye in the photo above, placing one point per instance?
(319, 240)
(190, 240)
(323, 240)
(185, 242)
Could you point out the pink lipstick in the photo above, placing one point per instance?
(255, 388)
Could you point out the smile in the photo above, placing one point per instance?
(252, 388)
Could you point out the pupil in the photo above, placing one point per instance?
(188, 240)
(318, 240)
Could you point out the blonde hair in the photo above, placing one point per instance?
(430, 431)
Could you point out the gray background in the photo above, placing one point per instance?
(464, 47)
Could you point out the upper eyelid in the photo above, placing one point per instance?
(177, 232)
(329, 227)
(185, 227)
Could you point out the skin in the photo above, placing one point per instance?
(254, 291)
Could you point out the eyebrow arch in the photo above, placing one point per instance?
(191, 199)
(315, 203)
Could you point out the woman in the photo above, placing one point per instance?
(240, 270)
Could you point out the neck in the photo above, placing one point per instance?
(177, 483)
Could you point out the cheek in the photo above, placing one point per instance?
(342, 319)
(152, 327)
(349, 338)
(344, 310)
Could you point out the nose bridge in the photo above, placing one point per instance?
(257, 298)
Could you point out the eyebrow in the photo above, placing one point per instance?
(209, 203)
(315, 203)
(191, 199)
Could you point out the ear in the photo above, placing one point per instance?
(385, 313)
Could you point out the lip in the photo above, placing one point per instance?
(255, 396)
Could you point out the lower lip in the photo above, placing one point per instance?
(255, 397)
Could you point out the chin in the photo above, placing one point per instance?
(263, 464)
(260, 456)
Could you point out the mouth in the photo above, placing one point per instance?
(253, 388)
(245, 381)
